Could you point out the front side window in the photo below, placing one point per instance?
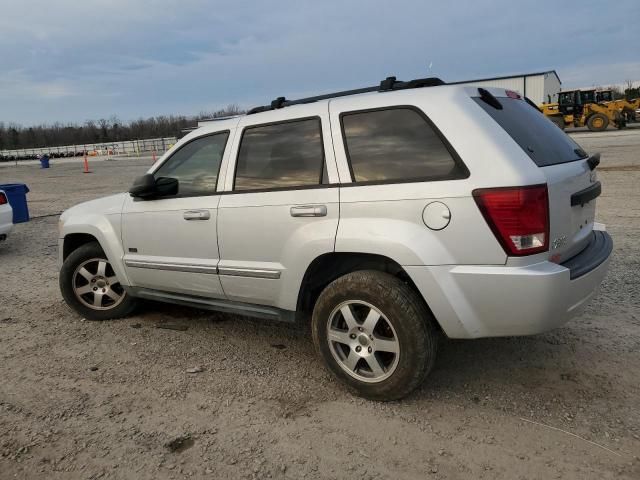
(282, 155)
(196, 165)
(396, 144)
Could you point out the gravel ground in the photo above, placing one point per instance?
(91, 400)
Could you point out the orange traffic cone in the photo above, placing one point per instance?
(86, 163)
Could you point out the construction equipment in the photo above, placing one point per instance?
(581, 108)
(626, 107)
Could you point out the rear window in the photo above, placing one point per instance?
(538, 136)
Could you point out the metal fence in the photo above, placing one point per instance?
(127, 147)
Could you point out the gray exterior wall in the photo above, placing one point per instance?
(540, 87)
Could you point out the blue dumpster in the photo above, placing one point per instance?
(17, 196)
(44, 161)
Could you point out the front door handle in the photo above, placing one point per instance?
(309, 211)
(197, 215)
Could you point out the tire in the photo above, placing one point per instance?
(87, 270)
(597, 122)
(376, 372)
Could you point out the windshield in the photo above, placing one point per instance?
(540, 138)
(588, 96)
(604, 96)
(566, 98)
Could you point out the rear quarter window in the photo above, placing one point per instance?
(397, 144)
(539, 137)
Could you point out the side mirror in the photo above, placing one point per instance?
(166, 186)
(147, 186)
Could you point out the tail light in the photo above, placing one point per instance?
(3, 199)
(518, 217)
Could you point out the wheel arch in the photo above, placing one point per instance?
(328, 267)
(97, 229)
(73, 241)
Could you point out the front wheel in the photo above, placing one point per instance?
(375, 334)
(89, 285)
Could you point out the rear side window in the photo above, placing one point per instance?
(538, 136)
(282, 155)
(396, 144)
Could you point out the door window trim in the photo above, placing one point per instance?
(215, 192)
(281, 189)
(464, 171)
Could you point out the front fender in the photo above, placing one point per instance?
(104, 224)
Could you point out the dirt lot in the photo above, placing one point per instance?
(87, 400)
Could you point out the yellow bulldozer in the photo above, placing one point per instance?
(593, 108)
(627, 107)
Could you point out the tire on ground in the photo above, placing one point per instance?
(83, 253)
(405, 310)
(597, 122)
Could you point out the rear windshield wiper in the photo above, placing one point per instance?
(488, 98)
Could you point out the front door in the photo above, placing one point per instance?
(170, 243)
(280, 207)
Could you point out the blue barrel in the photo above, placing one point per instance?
(44, 161)
(17, 196)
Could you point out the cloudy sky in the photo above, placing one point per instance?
(69, 60)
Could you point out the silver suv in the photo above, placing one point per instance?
(388, 216)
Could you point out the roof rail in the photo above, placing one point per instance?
(386, 85)
(215, 119)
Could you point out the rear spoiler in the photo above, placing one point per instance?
(593, 161)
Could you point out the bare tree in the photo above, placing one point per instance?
(14, 136)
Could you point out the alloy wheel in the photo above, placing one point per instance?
(363, 341)
(96, 286)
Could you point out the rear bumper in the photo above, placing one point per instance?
(492, 301)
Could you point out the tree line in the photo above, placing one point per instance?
(628, 91)
(14, 136)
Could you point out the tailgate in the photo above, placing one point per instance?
(573, 188)
(571, 182)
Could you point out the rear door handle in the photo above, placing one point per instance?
(309, 211)
(197, 215)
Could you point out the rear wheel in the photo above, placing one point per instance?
(597, 122)
(89, 285)
(375, 334)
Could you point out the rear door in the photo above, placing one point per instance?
(280, 207)
(563, 163)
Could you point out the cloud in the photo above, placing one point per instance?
(18, 85)
(72, 60)
(600, 74)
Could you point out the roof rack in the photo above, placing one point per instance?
(386, 85)
(215, 119)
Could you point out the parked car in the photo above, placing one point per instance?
(6, 216)
(387, 218)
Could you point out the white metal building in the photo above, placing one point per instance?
(541, 87)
